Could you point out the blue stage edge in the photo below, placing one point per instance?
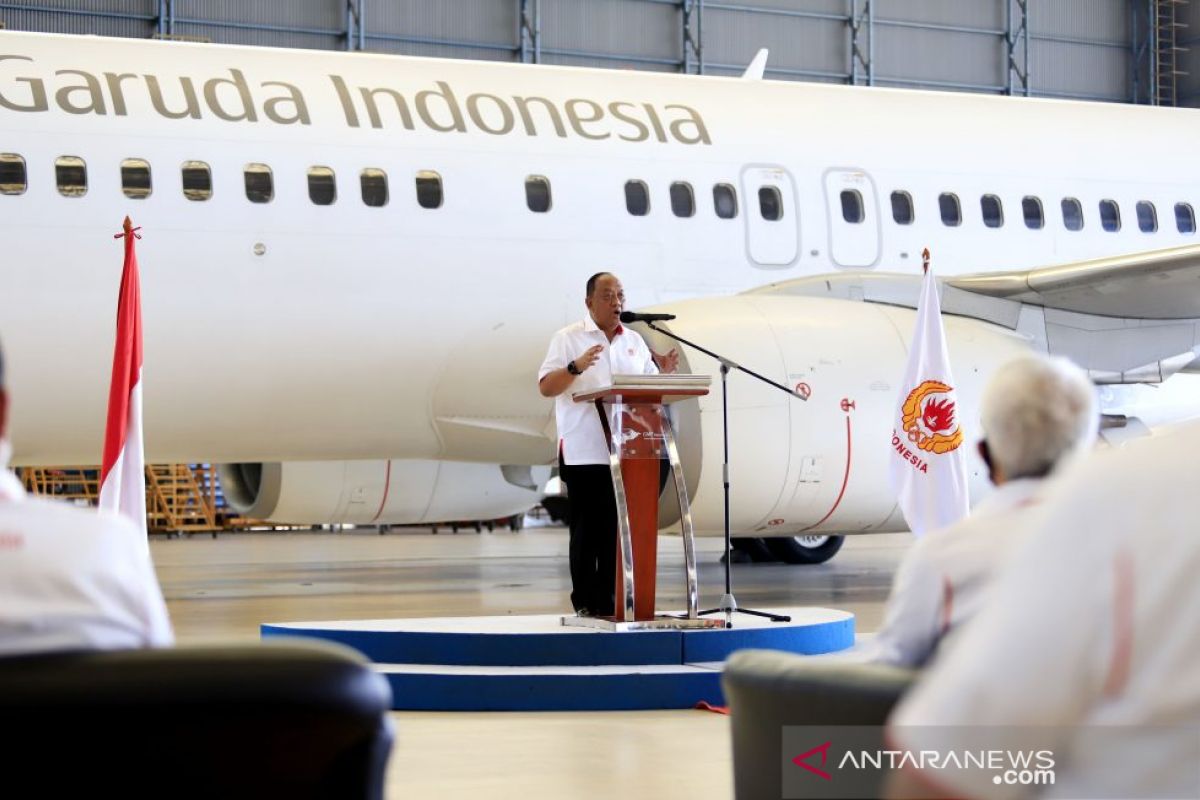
(534, 663)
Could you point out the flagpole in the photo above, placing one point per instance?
(927, 465)
(123, 471)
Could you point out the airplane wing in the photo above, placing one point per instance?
(1126, 319)
(1158, 284)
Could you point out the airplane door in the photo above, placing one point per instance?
(853, 209)
(772, 216)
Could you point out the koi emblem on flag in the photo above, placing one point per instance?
(927, 417)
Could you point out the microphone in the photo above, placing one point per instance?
(632, 316)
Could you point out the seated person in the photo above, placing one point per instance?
(1085, 651)
(71, 578)
(1036, 413)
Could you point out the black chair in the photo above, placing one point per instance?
(768, 690)
(294, 719)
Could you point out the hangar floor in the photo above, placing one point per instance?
(220, 590)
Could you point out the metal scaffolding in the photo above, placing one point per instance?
(1016, 40)
(356, 25)
(692, 17)
(862, 59)
(1168, 50)
(1157, 32)
(529, 31)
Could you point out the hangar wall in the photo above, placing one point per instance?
(1085, 49)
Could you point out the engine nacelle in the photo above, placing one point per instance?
(379, 492)
(819, 466)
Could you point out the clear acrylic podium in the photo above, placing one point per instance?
(634, 417)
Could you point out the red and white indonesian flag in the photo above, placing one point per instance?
(928, 466)
(123, 473)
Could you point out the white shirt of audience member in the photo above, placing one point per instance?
(1089, 643)
(945, 575)
(73, 579)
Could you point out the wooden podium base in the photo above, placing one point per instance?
(639, 439)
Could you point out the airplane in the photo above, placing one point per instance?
(352, 265)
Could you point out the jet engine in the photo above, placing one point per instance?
(394, 492)
(818, 465)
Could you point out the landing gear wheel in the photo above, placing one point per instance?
(753, 548)
(558, 508)
(804, 549)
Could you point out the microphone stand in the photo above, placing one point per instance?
(729, 604)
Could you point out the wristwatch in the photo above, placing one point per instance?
(571, 368)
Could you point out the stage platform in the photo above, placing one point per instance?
(535, 663)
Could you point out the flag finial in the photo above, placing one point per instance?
(128, 230)
(925, 260)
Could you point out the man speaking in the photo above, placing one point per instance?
(582, 356)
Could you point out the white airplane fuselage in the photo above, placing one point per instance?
(291, 331)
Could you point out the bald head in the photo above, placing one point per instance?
(605, 301)
(1036, 412)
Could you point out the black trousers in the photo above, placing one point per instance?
(593, 543)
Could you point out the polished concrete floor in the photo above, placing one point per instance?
(219, 590)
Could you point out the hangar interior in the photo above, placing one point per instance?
(1118, 51)
(1140, 51)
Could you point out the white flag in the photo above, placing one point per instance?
(928, 466)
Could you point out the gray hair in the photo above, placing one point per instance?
(1037, 412)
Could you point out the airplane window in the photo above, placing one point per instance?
(1147, 216)
(852, 206)
(197, 180)
(135, 178)
(12, 174)
(1185, 218)
(725, 201)
(71, 174)
(902, 208)
(322, 186)
(683, 202)
(429, 189)
(993, 210)
(1110, 216)
(537, 193)
(637, 198)
(950, 208)
(374, 187)
(1072, 213)
(770, 203)
(1031, 207)
(260, 183)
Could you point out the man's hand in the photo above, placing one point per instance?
(589, 357)
(667, 362)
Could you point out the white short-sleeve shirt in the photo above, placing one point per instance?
(73, 579)
(1089, 643)
(944, 576)
(580, 436)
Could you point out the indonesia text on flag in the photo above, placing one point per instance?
(928, 467)
(123, 473)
